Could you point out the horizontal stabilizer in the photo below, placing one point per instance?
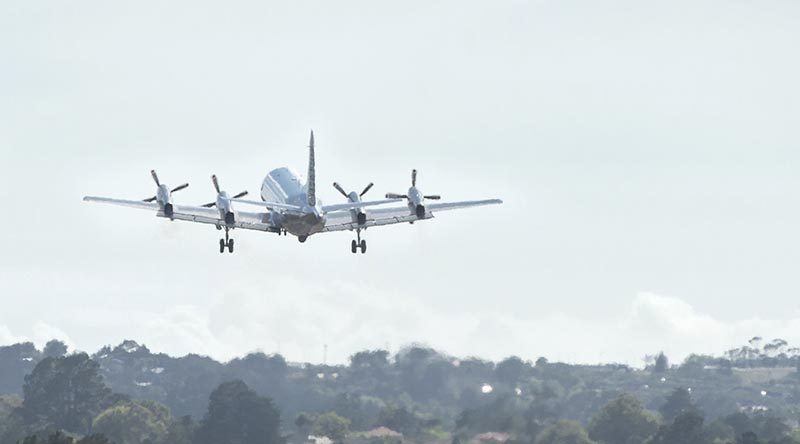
(271, 205)
(356, 205)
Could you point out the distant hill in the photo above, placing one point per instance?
(419, 388)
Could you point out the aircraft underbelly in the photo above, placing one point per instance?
(304, 225)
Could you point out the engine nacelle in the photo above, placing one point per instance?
(169, 210)
(420, 210)
(361, 218)
(230, 218)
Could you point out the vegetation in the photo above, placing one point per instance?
(127, 394)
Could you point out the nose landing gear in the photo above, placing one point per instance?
(226, 243)
(361, 244)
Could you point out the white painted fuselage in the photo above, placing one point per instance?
(282, 185)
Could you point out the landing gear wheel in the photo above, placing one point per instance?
(230, 246)
(302, 238)
(363, 246)
(353, 246)
(222, 245)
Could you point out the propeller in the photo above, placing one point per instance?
(216, 187)
(340, 189)
(413, 186)
(344, 193)
(158, 184)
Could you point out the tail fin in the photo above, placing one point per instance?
(312, 181)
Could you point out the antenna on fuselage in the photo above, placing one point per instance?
(312, 188)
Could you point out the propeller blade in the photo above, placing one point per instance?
(155, 177)
(413, 178)
(366, 189)
(433, 197)
(179, 187)
(209, 205)
(149, 199)
(242, 194)
(216, 183)
(340, 189)
(396, 196)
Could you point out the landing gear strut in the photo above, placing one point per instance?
(361, 244)
(226, 243)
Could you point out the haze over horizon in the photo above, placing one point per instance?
(646, 153)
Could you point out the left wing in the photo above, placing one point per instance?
(343, 221)
(202, 215)
(142, 205)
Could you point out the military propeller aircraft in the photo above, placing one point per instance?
(289, 205)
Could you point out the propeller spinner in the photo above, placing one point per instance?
(221, 193)
(164, 194)
(223, 202)
(361, 217)
(416, 200)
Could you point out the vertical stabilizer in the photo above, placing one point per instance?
(312, 181)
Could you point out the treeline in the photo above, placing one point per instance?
(127, 394)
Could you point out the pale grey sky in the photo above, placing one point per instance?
(647, 153)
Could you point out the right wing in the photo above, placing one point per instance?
(343, 221)
(444, 206)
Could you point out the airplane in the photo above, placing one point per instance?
(289, 205)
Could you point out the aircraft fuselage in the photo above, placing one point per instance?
(282, 185)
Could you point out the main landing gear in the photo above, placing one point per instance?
(226, 243)
(361, 244)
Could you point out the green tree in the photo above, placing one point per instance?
(331, 425)
(399, 419)
(58, 437)
(95, 439)
(511, 370)
(678, 402)
(181, 431)
(564, 432)
(622, 421)
(8, 403)
(16, 361)
(54, 349)
(64, 393)
(662, 363)
(237, 415)
(686, 429)
(748, 438)
(134, 422)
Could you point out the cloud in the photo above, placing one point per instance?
(298, 318)
(43, 333)
(6, 337)
(350, 317)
